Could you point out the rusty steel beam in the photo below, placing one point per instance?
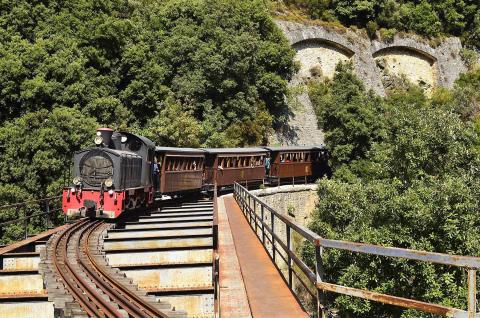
(394, 300)
(14, 246)
(439, 258)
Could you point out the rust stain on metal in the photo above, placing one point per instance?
(195, 306)
(161, 258)
(14, 246)
(192, 218)
(21, 284)
(160, 233)
(29, 309)
(190, 242)
(168, 225)
(21, 263)
(391, 300)
(171, 277)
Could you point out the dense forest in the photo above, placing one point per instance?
(429, 18)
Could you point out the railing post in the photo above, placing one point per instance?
(273, 236)
(289, 246)
(255, 216)
(321, 313)
(472, 293)
(249, 207)
(263, 223)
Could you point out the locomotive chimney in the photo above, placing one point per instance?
(106, 134)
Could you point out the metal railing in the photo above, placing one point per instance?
(216, 256)
(266, 222)
(23, 211)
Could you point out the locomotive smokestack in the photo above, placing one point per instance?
(106, 134)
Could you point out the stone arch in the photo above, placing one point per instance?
(418, 66)
(318, 57)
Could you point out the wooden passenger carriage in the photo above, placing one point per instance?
(297, 163)
(230, 165)
(180, 169)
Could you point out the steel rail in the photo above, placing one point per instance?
(87, 297)
(125, 298)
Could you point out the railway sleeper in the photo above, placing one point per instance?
(171, 260)
(128, 283)
(22, 288)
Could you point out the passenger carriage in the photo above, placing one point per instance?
(180, 169)
(297, 163)
(230, 165)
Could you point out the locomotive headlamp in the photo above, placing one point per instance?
(109, 182)
(77, 181)
(123, 139)
(98, 140)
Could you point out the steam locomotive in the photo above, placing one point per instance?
(125, 171)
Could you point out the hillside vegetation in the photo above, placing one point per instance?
(430, 18)
(182, 72)
(406, 174)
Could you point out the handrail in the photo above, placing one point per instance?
(216, 256)
(272, 241)
(48, 211)
(14, 205)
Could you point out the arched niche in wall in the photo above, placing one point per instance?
(415, 65)
(318, 57)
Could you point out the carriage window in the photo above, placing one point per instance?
(307, 157)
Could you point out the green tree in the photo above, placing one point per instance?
(35, 158)
(410, 181)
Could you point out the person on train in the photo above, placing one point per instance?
(156, 172)
(267, 165)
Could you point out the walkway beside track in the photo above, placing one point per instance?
(266, 292)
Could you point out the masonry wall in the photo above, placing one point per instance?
(296, 201)
(377, 63)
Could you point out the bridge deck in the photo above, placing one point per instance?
(267, 293)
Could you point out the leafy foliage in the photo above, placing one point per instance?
(407, 176)
(123, 62)
(36, 151)
(185, 73)
(426, 17)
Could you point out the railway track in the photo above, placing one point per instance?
(169, 254)
(160, 264)
(22, 287)
(90, 287)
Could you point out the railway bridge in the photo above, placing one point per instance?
(227, 256)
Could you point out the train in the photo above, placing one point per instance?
(124, 171)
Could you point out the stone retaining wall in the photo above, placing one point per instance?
(377, 63)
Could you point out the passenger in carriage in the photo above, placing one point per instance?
(156, 173)
(267, 165)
